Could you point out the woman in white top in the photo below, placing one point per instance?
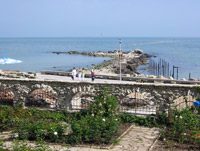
(79, 73)
(73, 73)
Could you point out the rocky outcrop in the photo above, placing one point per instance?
(129, 63)
(138, 51)
(111, 54)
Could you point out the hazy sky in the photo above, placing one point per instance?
(94, 18)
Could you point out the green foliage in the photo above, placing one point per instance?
(9, 116)
(98, 125)
(183, 127)
(104, 105)
(93, 129)
(139, 120)
(39, 130)
(198, 89)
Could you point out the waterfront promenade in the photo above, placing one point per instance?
(66, 78)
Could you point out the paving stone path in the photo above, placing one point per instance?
(136, 139)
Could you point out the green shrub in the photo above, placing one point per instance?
(11, 116)
(104, 105)
(183, 127)
(93, 129)
(100, 124)
(7, 116)
(139, 120)
(39, 130)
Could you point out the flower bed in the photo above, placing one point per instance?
(100, 125)
(182, 129)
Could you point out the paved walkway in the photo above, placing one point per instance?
(65, 78)
(136, 139)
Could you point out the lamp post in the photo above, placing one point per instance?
(120, 57)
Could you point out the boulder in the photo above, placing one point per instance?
(141, 76)
(161, 77)
(152, 76)
(135, 74)
(192, 79)
(183, 79)
(138, 51)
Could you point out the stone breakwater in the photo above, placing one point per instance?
(129, 62)
(112, 54)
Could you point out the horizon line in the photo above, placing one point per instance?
(100, 37)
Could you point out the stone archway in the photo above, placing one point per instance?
(41, 98)
(6, 97)
(183, 102)
(138, 103)
(81, 100)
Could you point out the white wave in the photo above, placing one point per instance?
(154, 42)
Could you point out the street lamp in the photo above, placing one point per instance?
(120, 57)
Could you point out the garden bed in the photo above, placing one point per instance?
(162, 146)
(122, 130)
(100, 126)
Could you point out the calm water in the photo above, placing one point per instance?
(182, 52)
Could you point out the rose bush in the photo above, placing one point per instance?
(183, 127)
(100, 123)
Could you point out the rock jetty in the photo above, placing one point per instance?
(129, 62)
(112, 54)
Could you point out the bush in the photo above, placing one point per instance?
(104, 105)
(183, 127)
(7, 116)
(11, 116)
(39, 130)
(93, 129)
(148, 121)
(98, 125)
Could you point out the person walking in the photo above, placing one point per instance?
(79, 73)
(73, 73)
(83, 74)
(92, 74)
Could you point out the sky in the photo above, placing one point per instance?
(99, 18)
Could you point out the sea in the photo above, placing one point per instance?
(36, 53)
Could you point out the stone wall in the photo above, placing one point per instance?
(62, 94)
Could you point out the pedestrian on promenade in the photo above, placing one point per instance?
(79, 73)
(92, 74)
(73, 73)
(83, 74)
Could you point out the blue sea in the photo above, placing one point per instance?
(36, 56)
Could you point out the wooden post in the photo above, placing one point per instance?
(135, 101)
